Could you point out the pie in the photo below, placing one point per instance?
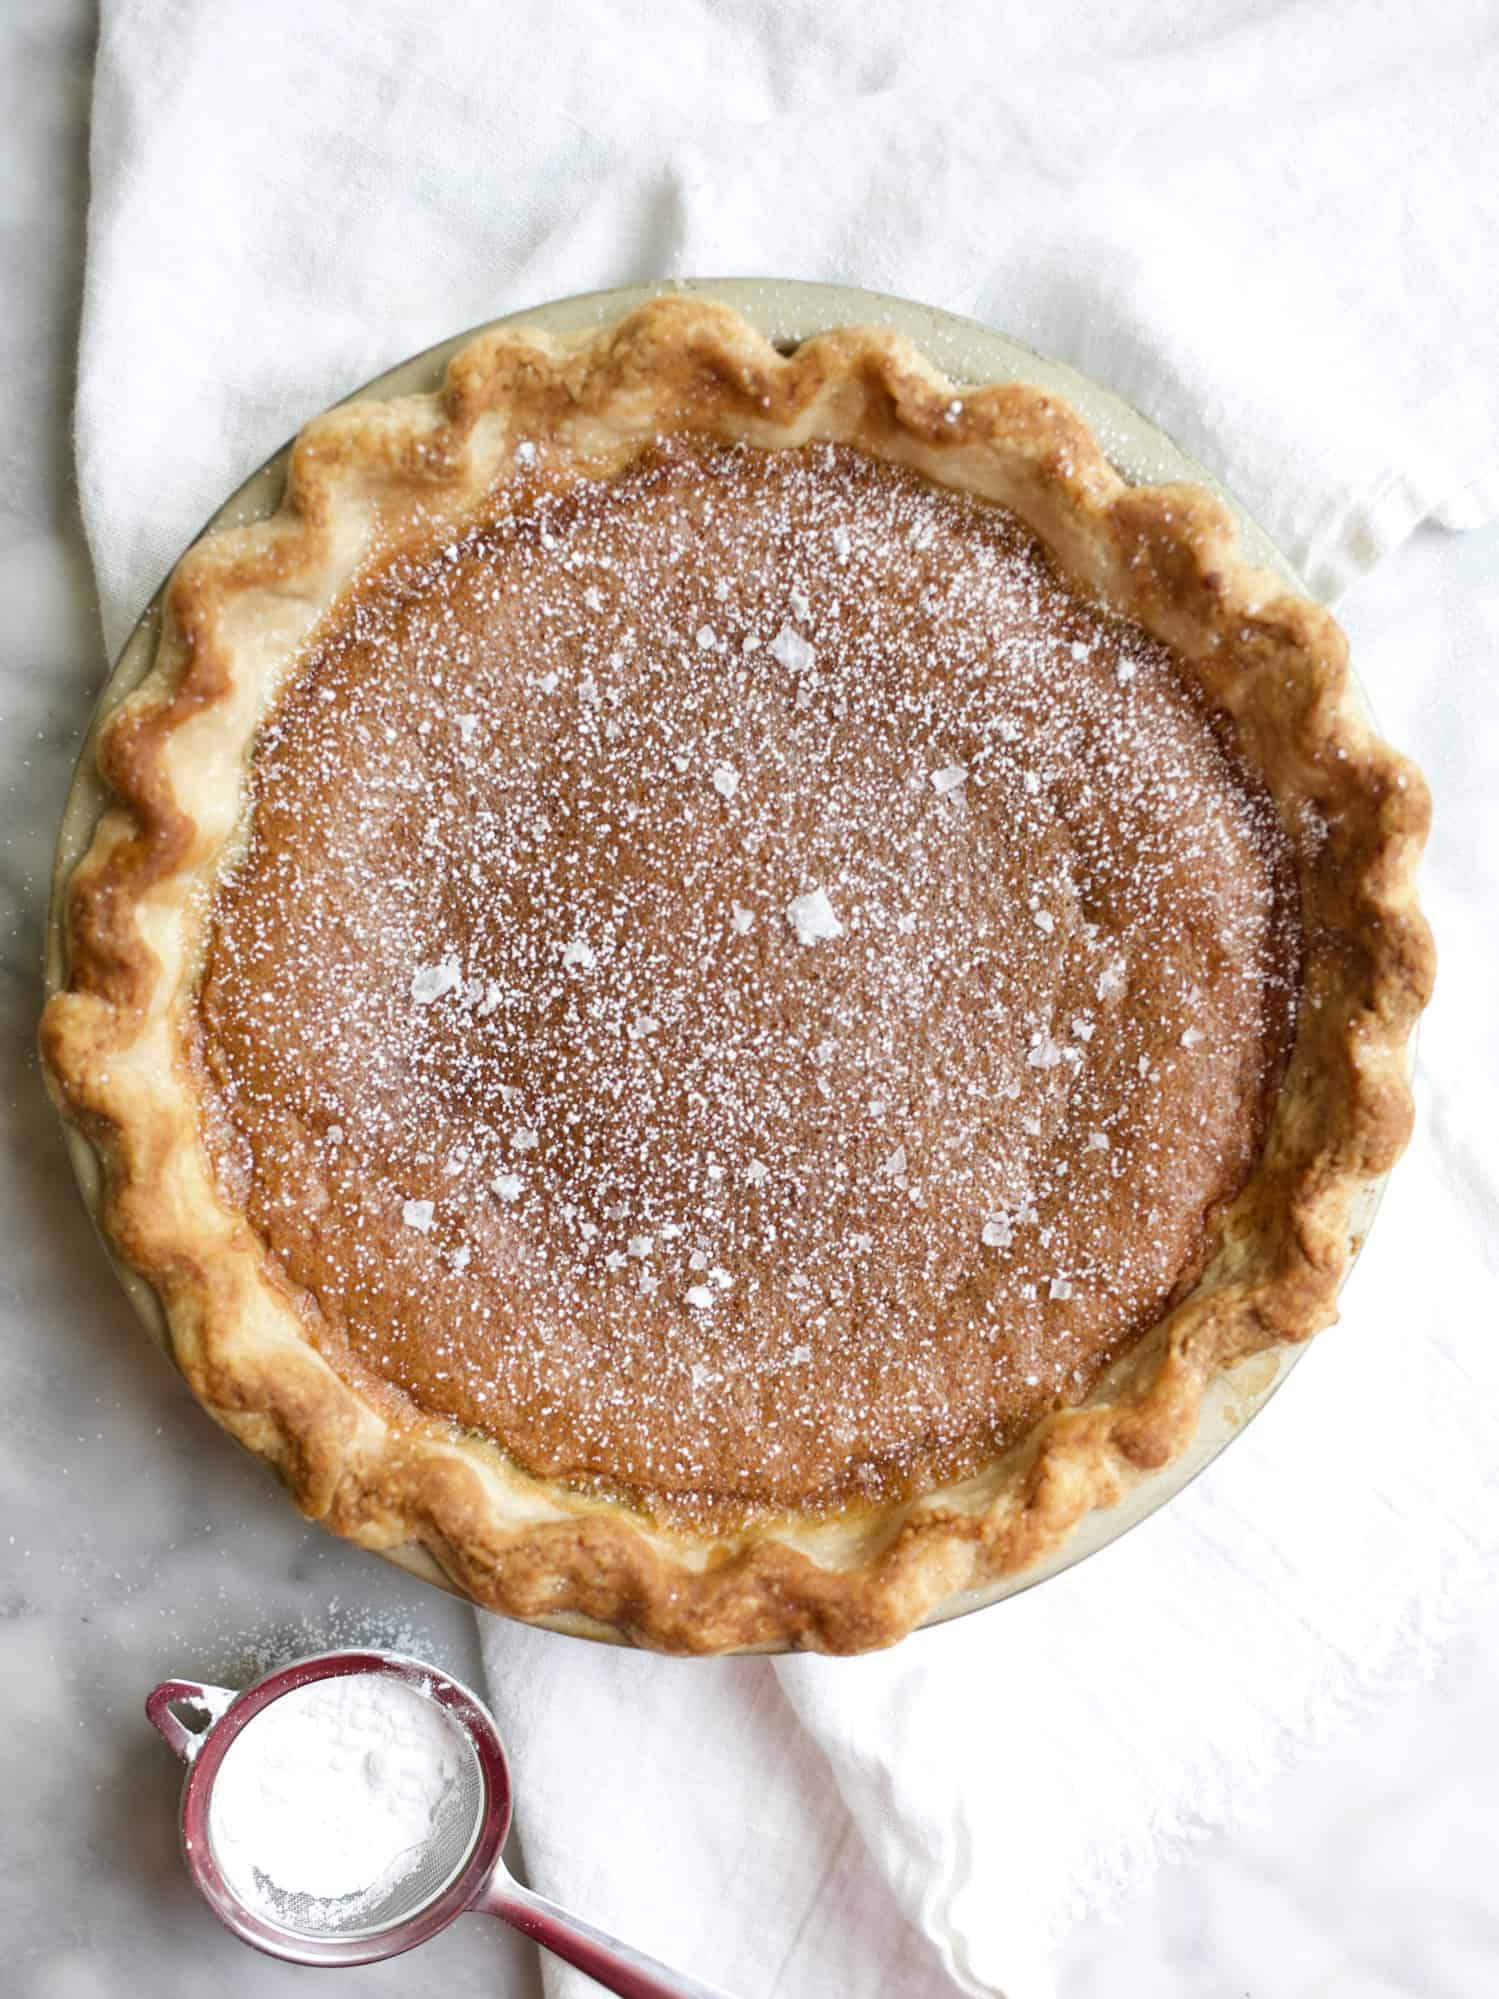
(718, 984)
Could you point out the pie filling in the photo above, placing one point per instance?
(741, 987)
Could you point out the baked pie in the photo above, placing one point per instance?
(718, 984)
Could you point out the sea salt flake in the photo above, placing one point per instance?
(1098, 1141)
(430, 982)
(861, 1244)
(906, 925)
(642, 1246)
(417, 1215)
(461, 1258)
(525, 452)
(593, 597)
(466, 727)
(757, 1173)
(507, 1186)
(1061, 1288)
(1044, 1055)
(548, 682)
(642, 1025)
(524, 1139)
(1191, 1036)
(1044, 921)
(800, 1356)
(720, 1277)
(1126, 672)
(843, 543)
(1080, 651)
(741, 918)
(1031, 782)
(615, 1260)
(1111, 980)
(997, 1232)
(801, 605)
(700, 1296)
(706, 638)
(952, 777)
(894, 1167)
(698, 1259)
(700, 1375)
(649, 1282)
(335, 1134)
(725, 780)
(1083, 1028)
(792, 651)
(811, 917)
(579, 956)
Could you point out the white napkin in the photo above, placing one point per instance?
(1274, 232)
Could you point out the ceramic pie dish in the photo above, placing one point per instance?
(724, 988)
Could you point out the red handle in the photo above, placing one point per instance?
(617, 1966)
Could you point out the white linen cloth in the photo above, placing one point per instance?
(1275, 230)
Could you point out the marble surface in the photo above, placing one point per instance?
(137, 1541)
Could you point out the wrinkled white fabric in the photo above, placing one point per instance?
(1273, 228)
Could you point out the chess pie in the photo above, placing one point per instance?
(718, 984)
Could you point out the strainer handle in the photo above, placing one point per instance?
(617, 1966)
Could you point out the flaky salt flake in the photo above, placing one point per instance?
(525, 452)
(725, 780)
(524, 1139)
(334, 1134)
(548, 683)
(715, 1171)
(642, 1246)
(800, 1356)
(1126, 672)
(757, 1173)
(507, 1186)
(649, 1283)
(430, 982)
(1191, 1036)
(811, 917)
(1098, 1141)
(615, 1260)
(593, 597)
(792, 651)
(706, 638)
(720, 1277)
(417, 1215)
(461, 1258)
(906, 925)
(1080, 651)
(578, 956)
(951, 777)
(1031, 1126)
(860, 1243)
(1061, 1288)
(1045, 1054)
(642, 1025)
(455, 1164)
(894, 1168)
(843, 543)
(1083, 1028)
(698, 1259)
(741, 918)
(997, 1232)
(801, 604)
(1044, 921)
(700, 1375)
(700, 1296)
(1111, 980)
(466, 727)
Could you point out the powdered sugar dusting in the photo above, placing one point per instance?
(798, 959)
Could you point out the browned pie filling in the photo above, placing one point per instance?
(742, 987)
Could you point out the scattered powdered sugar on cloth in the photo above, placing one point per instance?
(331, 1795)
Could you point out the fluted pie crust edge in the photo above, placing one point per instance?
(367, 477)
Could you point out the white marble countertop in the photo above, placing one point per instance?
(139, 1542)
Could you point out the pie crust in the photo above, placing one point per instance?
(373, 479)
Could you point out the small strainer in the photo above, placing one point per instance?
(459, 1871)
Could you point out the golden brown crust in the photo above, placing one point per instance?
(238, 610)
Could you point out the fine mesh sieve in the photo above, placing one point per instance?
(457, 1870)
